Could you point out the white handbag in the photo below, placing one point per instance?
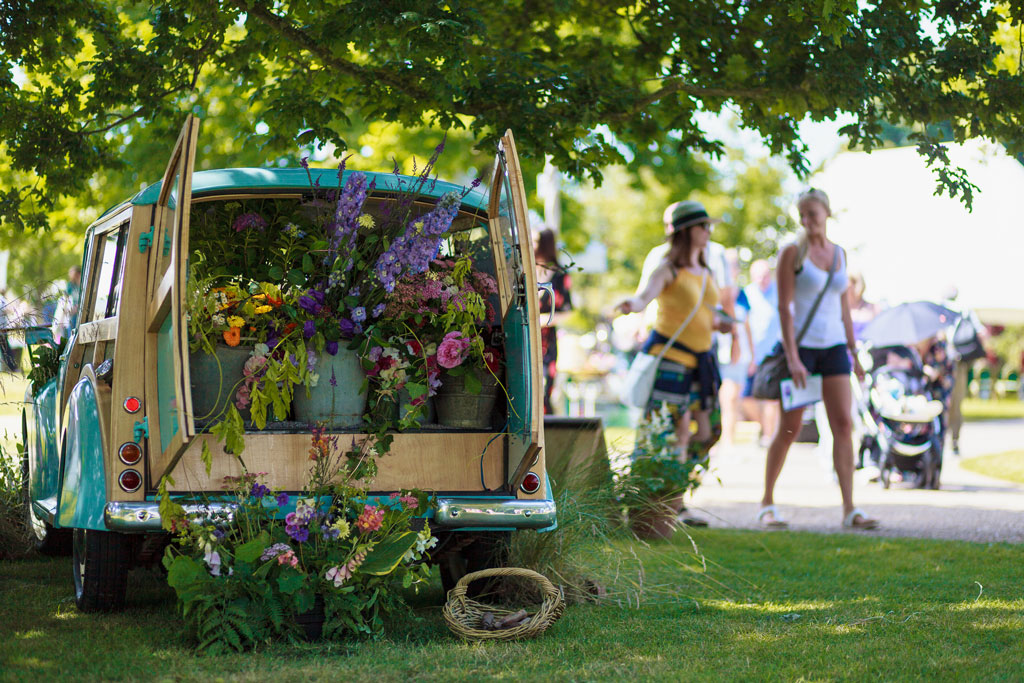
(639, 383)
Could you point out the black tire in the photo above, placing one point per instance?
(43, 537)
(885, 476)
(488, 549)
(101, 562)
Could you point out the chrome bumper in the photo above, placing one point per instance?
(451, 513)
(145, 515)
(487, 512)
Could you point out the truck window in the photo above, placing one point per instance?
(108, 282)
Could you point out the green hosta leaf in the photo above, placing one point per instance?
(251, 551)
(385, 557)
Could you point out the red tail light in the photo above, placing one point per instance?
(130, 453)
(531, 482)
(132, 404)
(130, 480)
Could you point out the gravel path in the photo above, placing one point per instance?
(968, 507)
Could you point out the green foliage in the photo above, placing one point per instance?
(14, 531)
(45, 360)
(589, 84)
(241, 580)
(656, 472)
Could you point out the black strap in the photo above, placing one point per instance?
(821, 294)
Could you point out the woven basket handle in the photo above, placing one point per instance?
(549, 588)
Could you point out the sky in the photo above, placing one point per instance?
(908, 243)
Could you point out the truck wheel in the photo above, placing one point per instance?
(489, 549)
(100, 570)
(43, 537)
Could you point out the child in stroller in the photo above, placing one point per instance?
(903, 421)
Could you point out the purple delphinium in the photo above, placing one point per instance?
(378, 309)
(282, 498)
(413, 251)
(259, 490)
(331, 348)
(298, 533)
(249, 220)
(358, 314)
(308, 329)
(346, 212)
(334, 380)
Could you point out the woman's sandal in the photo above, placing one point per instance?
(776, 522)
(858, 520)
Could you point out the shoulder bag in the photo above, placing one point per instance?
(774, 368)
(639, 383)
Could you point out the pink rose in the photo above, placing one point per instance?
(452, 351)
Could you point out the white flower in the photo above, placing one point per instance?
(335, 575)
(212, 560)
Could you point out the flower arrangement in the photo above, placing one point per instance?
(241, 581)
(446, 308)
(656, 473)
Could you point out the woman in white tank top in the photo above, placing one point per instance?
(827, 348)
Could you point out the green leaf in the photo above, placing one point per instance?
(473, 384)
(289, 582)
(276, 273)
(385, 557)
(415, 390)
(296, 276)
(251, 551)
(207, 457)
(307, 263)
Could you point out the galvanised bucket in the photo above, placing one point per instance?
(457, 407)
(336, 399)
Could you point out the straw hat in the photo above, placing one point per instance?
(687, 213)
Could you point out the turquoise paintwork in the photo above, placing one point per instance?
(83, 491)
(44, 463)
(166, 411)
(231, 179)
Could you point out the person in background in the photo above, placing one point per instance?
(825, 350)
(761, 300)
(687, 379)
(861, 313)
(554, 304)
(8, 318)
(963, 358)
(734, 356)
(66, 316)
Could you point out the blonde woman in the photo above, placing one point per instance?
(827, 348)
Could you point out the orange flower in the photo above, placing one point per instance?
(275, 302)
(289, 327)
(233, 336)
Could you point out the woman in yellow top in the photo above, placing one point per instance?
(687, 378)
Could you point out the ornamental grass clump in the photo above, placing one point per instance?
(335, 552)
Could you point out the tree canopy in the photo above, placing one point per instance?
(586, 82)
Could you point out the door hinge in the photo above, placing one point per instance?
(167, 244)
(141, 429)
(145, 239)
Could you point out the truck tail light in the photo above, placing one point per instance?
(132, 404)
(130, 453)
(531, 482)
(130, 480)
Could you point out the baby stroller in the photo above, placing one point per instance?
(903, 428)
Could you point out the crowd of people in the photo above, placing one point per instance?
(810, 307)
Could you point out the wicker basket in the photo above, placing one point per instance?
(465, 616)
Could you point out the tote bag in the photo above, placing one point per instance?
(639, 383)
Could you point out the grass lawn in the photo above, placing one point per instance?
(993, 409)
(780, 606)
(1008, 465)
